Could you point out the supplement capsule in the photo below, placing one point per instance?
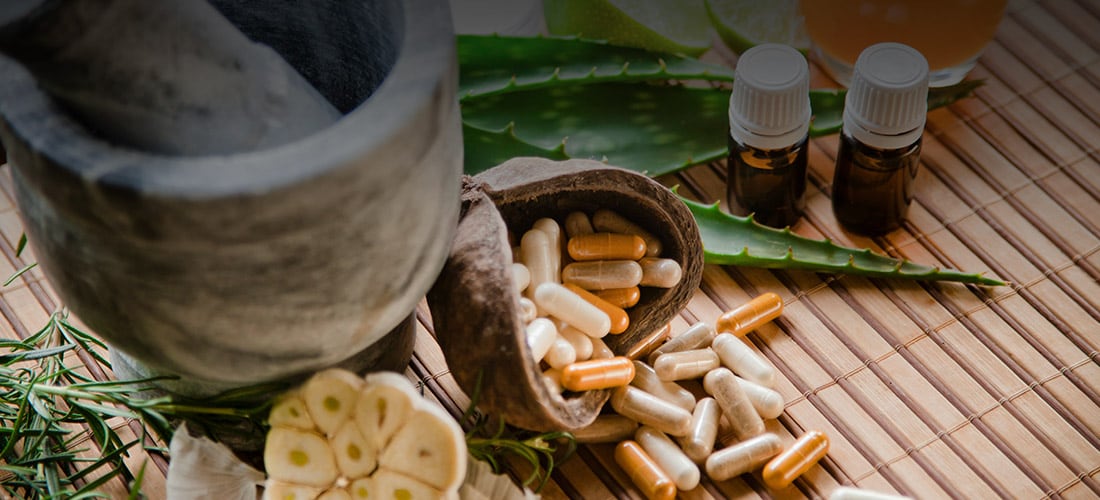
(607, 428)
(578, 224)
(521, 277)
(686, 365)
(598, 374)
(850, 493)
(528, 311)
(742, 457)
(557, 243)
(535, 254)
(669, 457)
(646, 379)
(606, 246)
(698, 444)
(644, 472)
(743, 360)
(620, 297)
(611, 222)
(600, 350)
(620, 320)
(750, 316)
(571, 308)
(582, 344)
(648, 344)
(561, 353)
(552, 379)
(541, 333)
(699, 335)
(603, 274)
(660, 273)
(647, 409)
(722, 384)
(767, 402)
(806, 451)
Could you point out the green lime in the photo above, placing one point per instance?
(677, 26)
(745, 23)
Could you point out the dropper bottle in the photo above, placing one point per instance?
(769, 118)
(880, 140)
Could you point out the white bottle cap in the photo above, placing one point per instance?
(770, 103)
(887, 101)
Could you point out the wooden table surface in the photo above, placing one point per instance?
(932, 390)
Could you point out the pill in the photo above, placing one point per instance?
(603, 274)
(742, 457)
(697, 336)
(607, 428)
(646, 379)
(606, 246)
(660, 273)
(600, 350)
(750, 316)
(649, 343)
(582, 344)
(561, 353)
(806, 451)
(620, 320)
(767, 402)
(743, 360)
(540, 336)
(647, 409)
(669, 457)
(577, 224)
(686, 365)
(698, 444)
(527, 310)
(557, 242)
(571, 308)
(598, 374)
(521, 277)
(621, 297)
(850, 493)
(611, 222)
(552, 379)
(644, 472)
(535, 254)
(722, 384)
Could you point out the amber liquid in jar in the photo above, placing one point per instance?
(872, 187)
(769, 183)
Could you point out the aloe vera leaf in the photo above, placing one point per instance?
(741, 241)
(485, 149)
(492, 64)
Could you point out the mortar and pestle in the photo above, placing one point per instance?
(235, 192)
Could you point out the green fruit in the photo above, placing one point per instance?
(745, 23)
(676, 26)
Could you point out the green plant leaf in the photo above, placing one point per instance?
(740, 241)
(495, 64)
(485, 149)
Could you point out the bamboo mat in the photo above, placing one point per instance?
(932, 390)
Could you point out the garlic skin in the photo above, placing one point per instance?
(202, 469)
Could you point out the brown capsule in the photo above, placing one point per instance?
(649, 343)
(606, 246)
(806, 451)
(621, 297)
(597, 374)
(620, 320)
(751, 315)
(644, 472)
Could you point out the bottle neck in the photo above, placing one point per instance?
(768, 142)
(860, 132)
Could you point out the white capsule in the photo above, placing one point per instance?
(528, 311)
(561, 353)
(553, 233)
(699, 442)
(541, 333)
(573, 309)
(646, 379)
(699, 335)
(535, 253)
(521, 276)
(743, 360)
(850, 493)
(582, 344)
(669, 457)
(768, 402)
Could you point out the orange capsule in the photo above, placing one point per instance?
(620, 320)
(751, 315)
(806, 451)
(644, 472)
(650, 343)
(606, 246)
(621, 297)
(597, 374)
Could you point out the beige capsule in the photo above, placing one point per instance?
(561, 353)
(850, 493)
(603, 274)
(578, 224)
(612, 222)
(557, 242)
(535, 253)
(722, 384)
(697, 336)
(647, 409)
(669, 457)
(528, 311)
(686, 365)
(521, 276)
(582, 344)
(600, 350)
(607, 428)
(743, 360)
(646, 379)
(698, 444)
(660, 273)
(768, 402)
(552, 378)
(573, 309)
(743, 457)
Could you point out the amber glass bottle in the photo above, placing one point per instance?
(880, 141)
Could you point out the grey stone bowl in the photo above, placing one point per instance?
(237, 269)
